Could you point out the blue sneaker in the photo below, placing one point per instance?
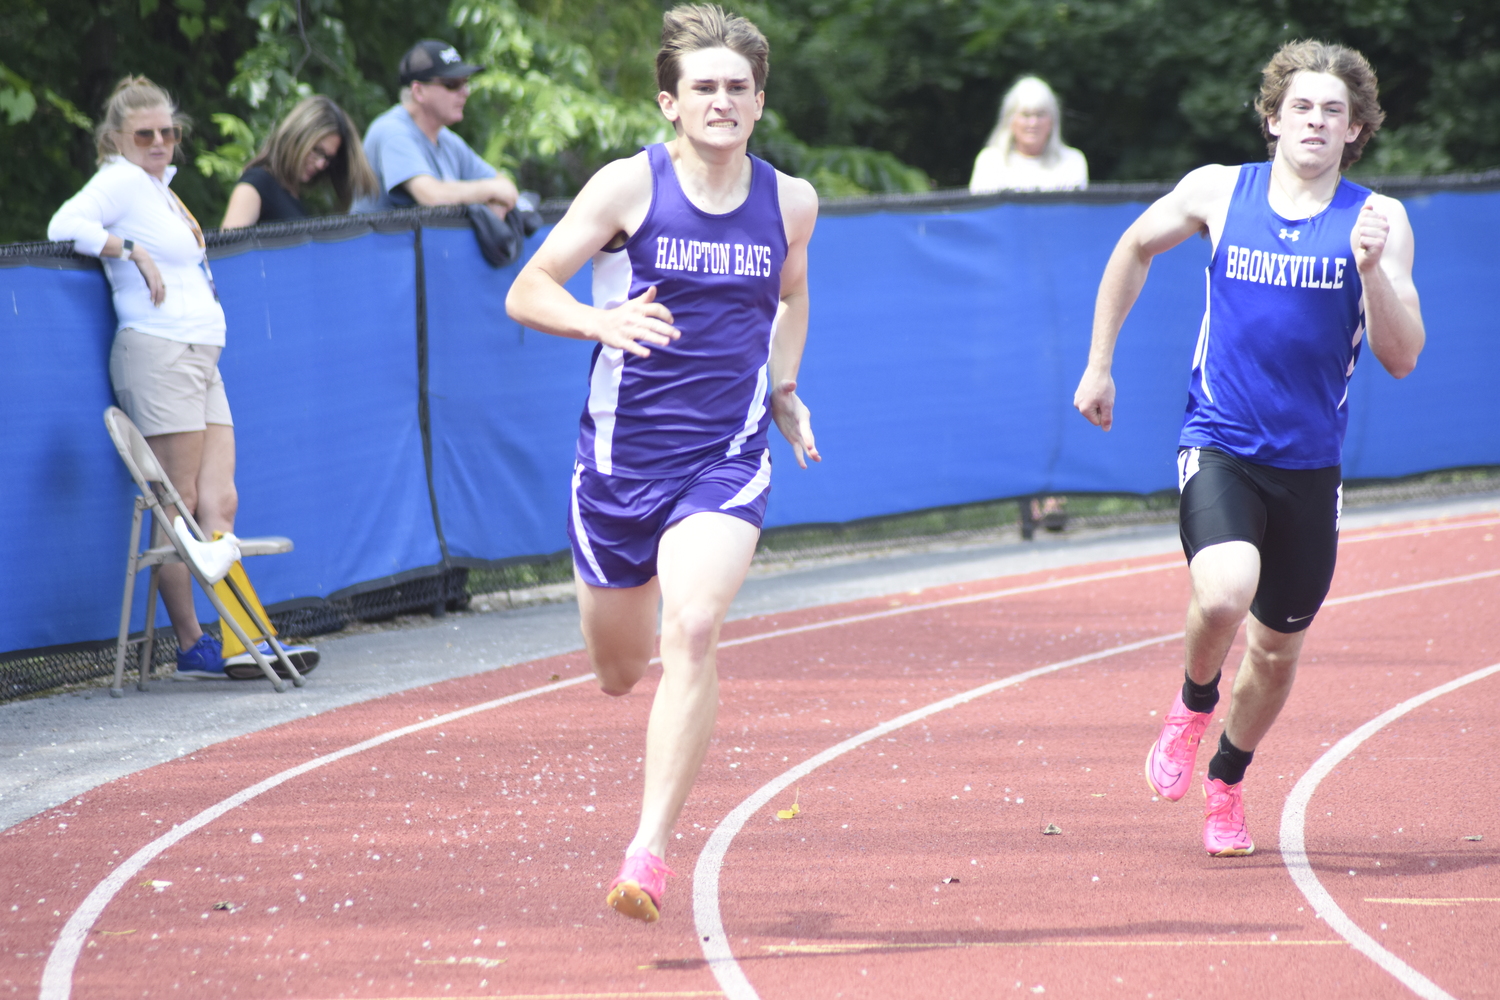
(242, 666)
(202, 661)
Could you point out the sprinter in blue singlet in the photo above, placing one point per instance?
(700, 315)
(1306, 269)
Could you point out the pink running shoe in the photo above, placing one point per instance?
(1169, 764)
(1224, 832)
(636, 891)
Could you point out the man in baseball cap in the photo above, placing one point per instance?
(431, 59)
(419, 160)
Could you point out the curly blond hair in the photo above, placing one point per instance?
(1310, 56)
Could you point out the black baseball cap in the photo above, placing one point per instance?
(431, 59)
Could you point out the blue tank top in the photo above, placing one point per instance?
(1281, 331)
(704, 396)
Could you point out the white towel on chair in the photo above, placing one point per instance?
(213, 559)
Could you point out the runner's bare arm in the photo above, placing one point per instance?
(799, 211)
(612, 204)
(1384, 247)
(1196, 203)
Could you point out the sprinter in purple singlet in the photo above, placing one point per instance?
(1306, 268)
(700, 315)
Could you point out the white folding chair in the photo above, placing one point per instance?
(158, 496)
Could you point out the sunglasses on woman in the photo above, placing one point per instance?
(147, 136)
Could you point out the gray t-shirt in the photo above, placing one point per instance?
(399, 151)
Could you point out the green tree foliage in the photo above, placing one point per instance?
(67, 56)
(864, 95)
(567, 87)
(1151, 88)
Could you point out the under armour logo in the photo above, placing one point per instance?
(450, 55)
(1293, 235)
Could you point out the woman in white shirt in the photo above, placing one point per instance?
(1025, 152)
(170, 328)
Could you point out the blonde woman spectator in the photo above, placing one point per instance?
(1025, 152)
(169, 329)
(315, 142)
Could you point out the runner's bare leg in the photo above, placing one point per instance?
(1224, 579)
(702, 561)
(619, 630)
(1263, 683)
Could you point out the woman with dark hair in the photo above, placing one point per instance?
(315, 141)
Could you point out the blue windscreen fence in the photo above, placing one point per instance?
(395, 423)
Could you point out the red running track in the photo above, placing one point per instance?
(466, 855)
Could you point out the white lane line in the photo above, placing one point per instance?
(1407, 588)
(1422, 529)
(988, 595)
(1294, 843)
(714, 942)
(706, 914)
(57, 977)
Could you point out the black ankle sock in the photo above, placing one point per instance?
(1200, 697)
(1228, 765)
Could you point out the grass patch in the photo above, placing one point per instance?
(556, 568)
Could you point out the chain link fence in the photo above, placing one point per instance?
(29, 672)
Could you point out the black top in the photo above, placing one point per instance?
(276, 202)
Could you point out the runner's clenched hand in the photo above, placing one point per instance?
(1368, 238)
(637, 321)
(1095, 398)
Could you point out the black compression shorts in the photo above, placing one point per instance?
(1290, 515)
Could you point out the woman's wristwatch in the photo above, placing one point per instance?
(127, 247)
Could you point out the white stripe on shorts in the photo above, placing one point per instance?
(578, 530)
(1187, 467)
(755, 487)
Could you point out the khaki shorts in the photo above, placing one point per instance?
(166, 387)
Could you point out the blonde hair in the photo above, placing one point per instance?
(691, 27)
(1347, 64)
(1029, 93)
(288, 146)
(132, 93)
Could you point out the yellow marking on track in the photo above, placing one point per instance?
(855, 948)
(1419, 901)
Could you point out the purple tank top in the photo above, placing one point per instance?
(706, 395)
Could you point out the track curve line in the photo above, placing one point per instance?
(949, 602)
(57, 976)
(715, 943)
(706, 914)
(1294, 843)
(1377, 534)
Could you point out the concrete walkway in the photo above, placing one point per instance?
(61, 746)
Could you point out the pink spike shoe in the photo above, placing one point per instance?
(636, 892)
(1224, 832)
(1169, 764)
